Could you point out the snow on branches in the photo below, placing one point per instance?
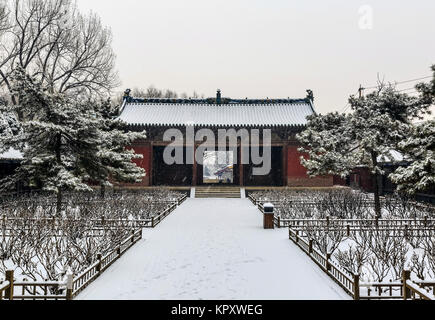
(420, 148)
(68, 142)
(337, 143)
(329, 143)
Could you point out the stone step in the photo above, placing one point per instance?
(217, 192)
(217, 196)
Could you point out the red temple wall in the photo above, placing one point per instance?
(363, 179)
(297, 173)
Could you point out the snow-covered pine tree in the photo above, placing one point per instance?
(64, 141)
(419, 148)
(50, 140)
(111, 160)
(337, 143)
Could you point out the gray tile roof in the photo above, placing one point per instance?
(11, 154)
(213, 115)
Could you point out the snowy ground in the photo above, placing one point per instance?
(214, 249)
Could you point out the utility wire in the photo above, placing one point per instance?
(400, 82)
(347, 106)
(407, 89)
(407, 81)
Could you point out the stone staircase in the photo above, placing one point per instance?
(217, 192)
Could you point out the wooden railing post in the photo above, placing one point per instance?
(406, 231)
(425, 221)
(132, 236)
(310, 246)
(118, 250)
(406, 292)
(297, 236)
(69, 286)
(328, 264)
(356, 292)
(9, 292)
(152, 221)
(98, 268)
(348, 230)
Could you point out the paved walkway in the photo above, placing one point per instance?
(214, 249)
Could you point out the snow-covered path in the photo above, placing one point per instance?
(214, 249)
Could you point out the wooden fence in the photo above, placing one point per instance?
(101, 223)
(366, 203)
(355, 224)
(405, 289)
(72, 286)
(408, 228)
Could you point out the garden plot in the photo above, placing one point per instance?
(40, 245)
(378, 255)
(342, 226)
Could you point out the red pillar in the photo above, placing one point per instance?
(150, 182)
(241, 167)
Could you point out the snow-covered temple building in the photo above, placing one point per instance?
(284, 117)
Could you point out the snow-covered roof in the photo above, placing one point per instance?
(11, 154)
(285, 113)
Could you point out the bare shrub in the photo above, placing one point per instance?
(418, 265)
(353, 259)
(381, 246)
(397, 255)
(429, 249)
(327, 241)
(379, 267)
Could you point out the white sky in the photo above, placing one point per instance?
(268, 48)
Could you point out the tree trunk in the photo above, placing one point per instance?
(59, 161)
(376, 187)
(59, 202)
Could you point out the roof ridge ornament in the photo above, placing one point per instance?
(218, 97)
(310, 95)
(127, 95)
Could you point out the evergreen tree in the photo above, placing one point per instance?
(419, 147)
(110, 159)
(68, 143)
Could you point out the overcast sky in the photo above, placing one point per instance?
(269, 48)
